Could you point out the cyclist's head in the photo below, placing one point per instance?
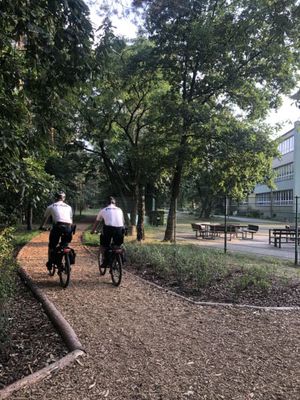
(111, 200)
(60, 195)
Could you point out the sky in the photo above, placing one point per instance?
(286, 115)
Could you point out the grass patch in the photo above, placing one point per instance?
(21, 236)
(195, 268)
(90, 239)
(208, 273)
(257, 277)
(183, 264)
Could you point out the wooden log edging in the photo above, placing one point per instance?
(65, 330)
(63, 327)
(39, 375)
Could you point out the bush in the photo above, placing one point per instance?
(7, 264)
(256, 277)
(7, 268)
(189, 265)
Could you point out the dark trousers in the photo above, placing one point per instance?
(112, 234)
(59, 231)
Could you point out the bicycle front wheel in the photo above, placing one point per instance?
(116, 270)
(102, 269)
(65, 271)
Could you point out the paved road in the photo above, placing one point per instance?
(259, 245)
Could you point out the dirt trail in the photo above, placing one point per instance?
(143, 343)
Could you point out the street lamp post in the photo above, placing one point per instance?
(225, 227)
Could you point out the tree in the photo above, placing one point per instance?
(119, 114)
(44, 52)
(236, 155)
(234, 53)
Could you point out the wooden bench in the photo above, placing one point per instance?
(199, 230)
(249, 231)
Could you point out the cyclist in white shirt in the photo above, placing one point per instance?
(113, 225)
(62, 218)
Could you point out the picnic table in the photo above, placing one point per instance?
(277, 236)
(214, 230)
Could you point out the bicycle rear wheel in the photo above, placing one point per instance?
(64, 271)
(116, 270)
(100, 257)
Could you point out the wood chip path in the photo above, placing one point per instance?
(143, 343)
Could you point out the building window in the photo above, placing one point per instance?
(283, 197)
(263, 199)
(284, 172)
(286, 146)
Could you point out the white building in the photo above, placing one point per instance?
(280, 202)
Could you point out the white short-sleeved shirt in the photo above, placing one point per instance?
(112, 216)
(60, 212)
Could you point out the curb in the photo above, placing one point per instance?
(63, 327)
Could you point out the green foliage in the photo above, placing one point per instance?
(193, 268)
(22, 236)
(7, 264)
(90, 240)
(230, 55)
(44, 52)
(187, 265)
(237, 154)
(257, 277)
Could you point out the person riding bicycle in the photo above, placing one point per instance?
(113, 227)
(62, 218)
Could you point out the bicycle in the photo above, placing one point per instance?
(64, 257)
(114, 260)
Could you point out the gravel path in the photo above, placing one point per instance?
(143, 343)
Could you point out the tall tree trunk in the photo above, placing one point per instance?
(141, 214)
(134, 212)
(169, 233)
(29, 215)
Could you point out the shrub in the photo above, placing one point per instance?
(7, 268)
(188, 265)
(256, 277)
(7, 264)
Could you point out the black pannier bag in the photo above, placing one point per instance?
(72, 256)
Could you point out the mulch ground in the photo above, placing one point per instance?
(143, 343)
(32, 342)
(279, 293)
